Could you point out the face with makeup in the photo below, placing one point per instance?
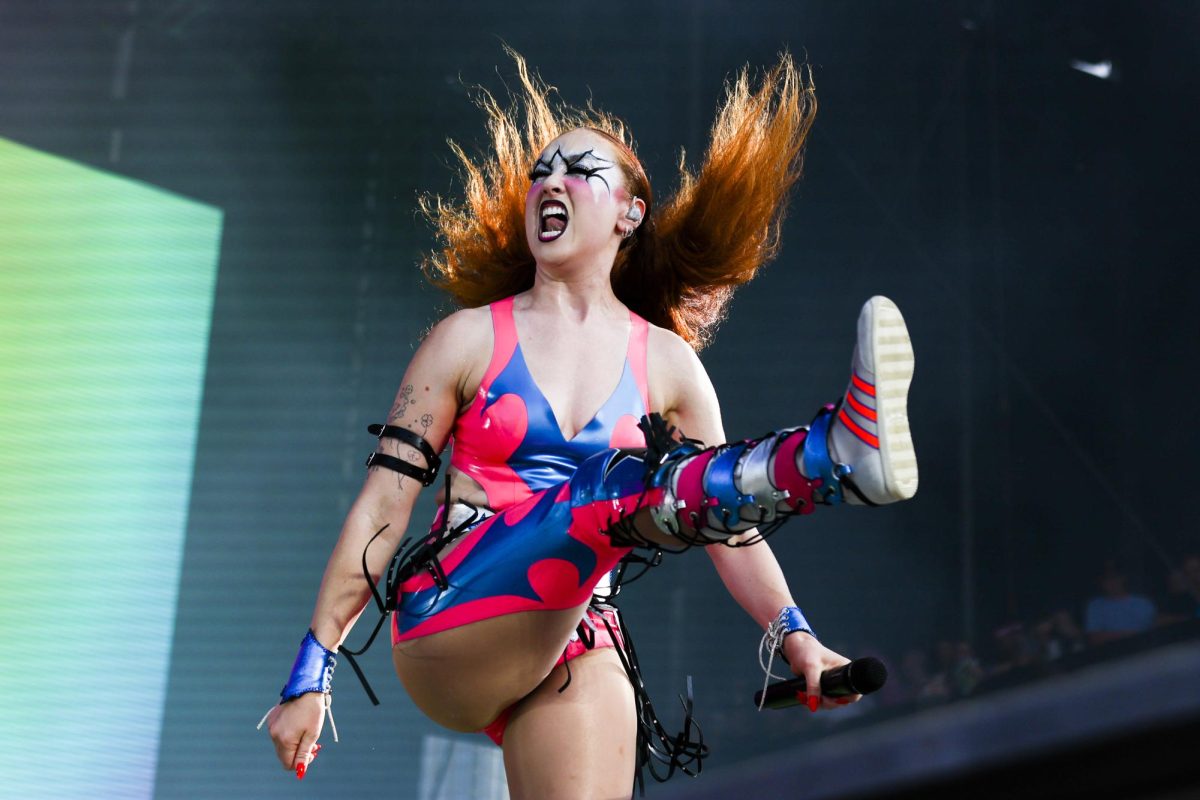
(577, 199)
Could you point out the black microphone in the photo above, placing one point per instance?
(861, 676)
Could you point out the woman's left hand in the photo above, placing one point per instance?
(808, 659)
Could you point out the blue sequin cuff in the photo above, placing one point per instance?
(312, 672)
(790, 620)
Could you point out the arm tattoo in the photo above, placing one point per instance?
(426, 422)
(401, 404)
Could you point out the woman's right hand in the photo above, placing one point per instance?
(294, 727)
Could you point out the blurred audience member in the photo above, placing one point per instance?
(967, 671)
(923, 686)
(1058, 635)
(1182, 598)
(1177, 604)
(1014, 647)
(1116, 613)
(960, 670)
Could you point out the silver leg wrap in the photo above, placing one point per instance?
(711, 495)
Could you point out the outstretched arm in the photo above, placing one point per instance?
(751, 574)
(426, 404)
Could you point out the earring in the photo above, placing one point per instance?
(634, 213)
(625, 234)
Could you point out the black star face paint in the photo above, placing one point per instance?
(586, 165)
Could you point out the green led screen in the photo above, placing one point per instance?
(106, 293)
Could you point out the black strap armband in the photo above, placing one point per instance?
(425, 475)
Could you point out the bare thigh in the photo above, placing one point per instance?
(462, 678)
(578, 744)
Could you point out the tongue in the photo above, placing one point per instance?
(554, 224)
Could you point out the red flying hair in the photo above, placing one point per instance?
(680, 268)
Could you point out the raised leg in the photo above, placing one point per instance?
(858, 451)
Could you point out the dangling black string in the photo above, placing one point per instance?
(567, 682)
(685, 751)
(412, 555)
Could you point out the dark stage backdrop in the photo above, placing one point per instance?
(1034, 222)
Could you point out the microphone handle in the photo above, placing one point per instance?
(834, 683)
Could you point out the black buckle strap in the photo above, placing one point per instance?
(426, 476)
(409, 438)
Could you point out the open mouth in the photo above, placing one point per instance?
(553, 221)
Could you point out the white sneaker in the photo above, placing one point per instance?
(870, 432)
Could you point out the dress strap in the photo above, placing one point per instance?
(639, 336)
(505, 340)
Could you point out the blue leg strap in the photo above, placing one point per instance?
(819, 464)
(721, 487)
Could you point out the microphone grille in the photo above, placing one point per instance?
(867, 675)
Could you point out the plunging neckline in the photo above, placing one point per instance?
(549, 406)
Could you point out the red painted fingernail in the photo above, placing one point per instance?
(842, 702)
(801, 697)
(317, 748)
(301, 768)
(813, 702)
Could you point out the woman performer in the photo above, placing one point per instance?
(574, 283)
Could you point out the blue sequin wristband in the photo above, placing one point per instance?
(789, 620)
(312, 672)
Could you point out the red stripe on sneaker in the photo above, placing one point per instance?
(869, 413)
(861, 385)
(869, 438)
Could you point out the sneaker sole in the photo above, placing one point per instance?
(894, 364)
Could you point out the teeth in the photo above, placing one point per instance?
(553, 209)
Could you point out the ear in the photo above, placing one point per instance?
(632, 216)
(637, 210)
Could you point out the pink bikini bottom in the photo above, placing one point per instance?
(575, 648)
